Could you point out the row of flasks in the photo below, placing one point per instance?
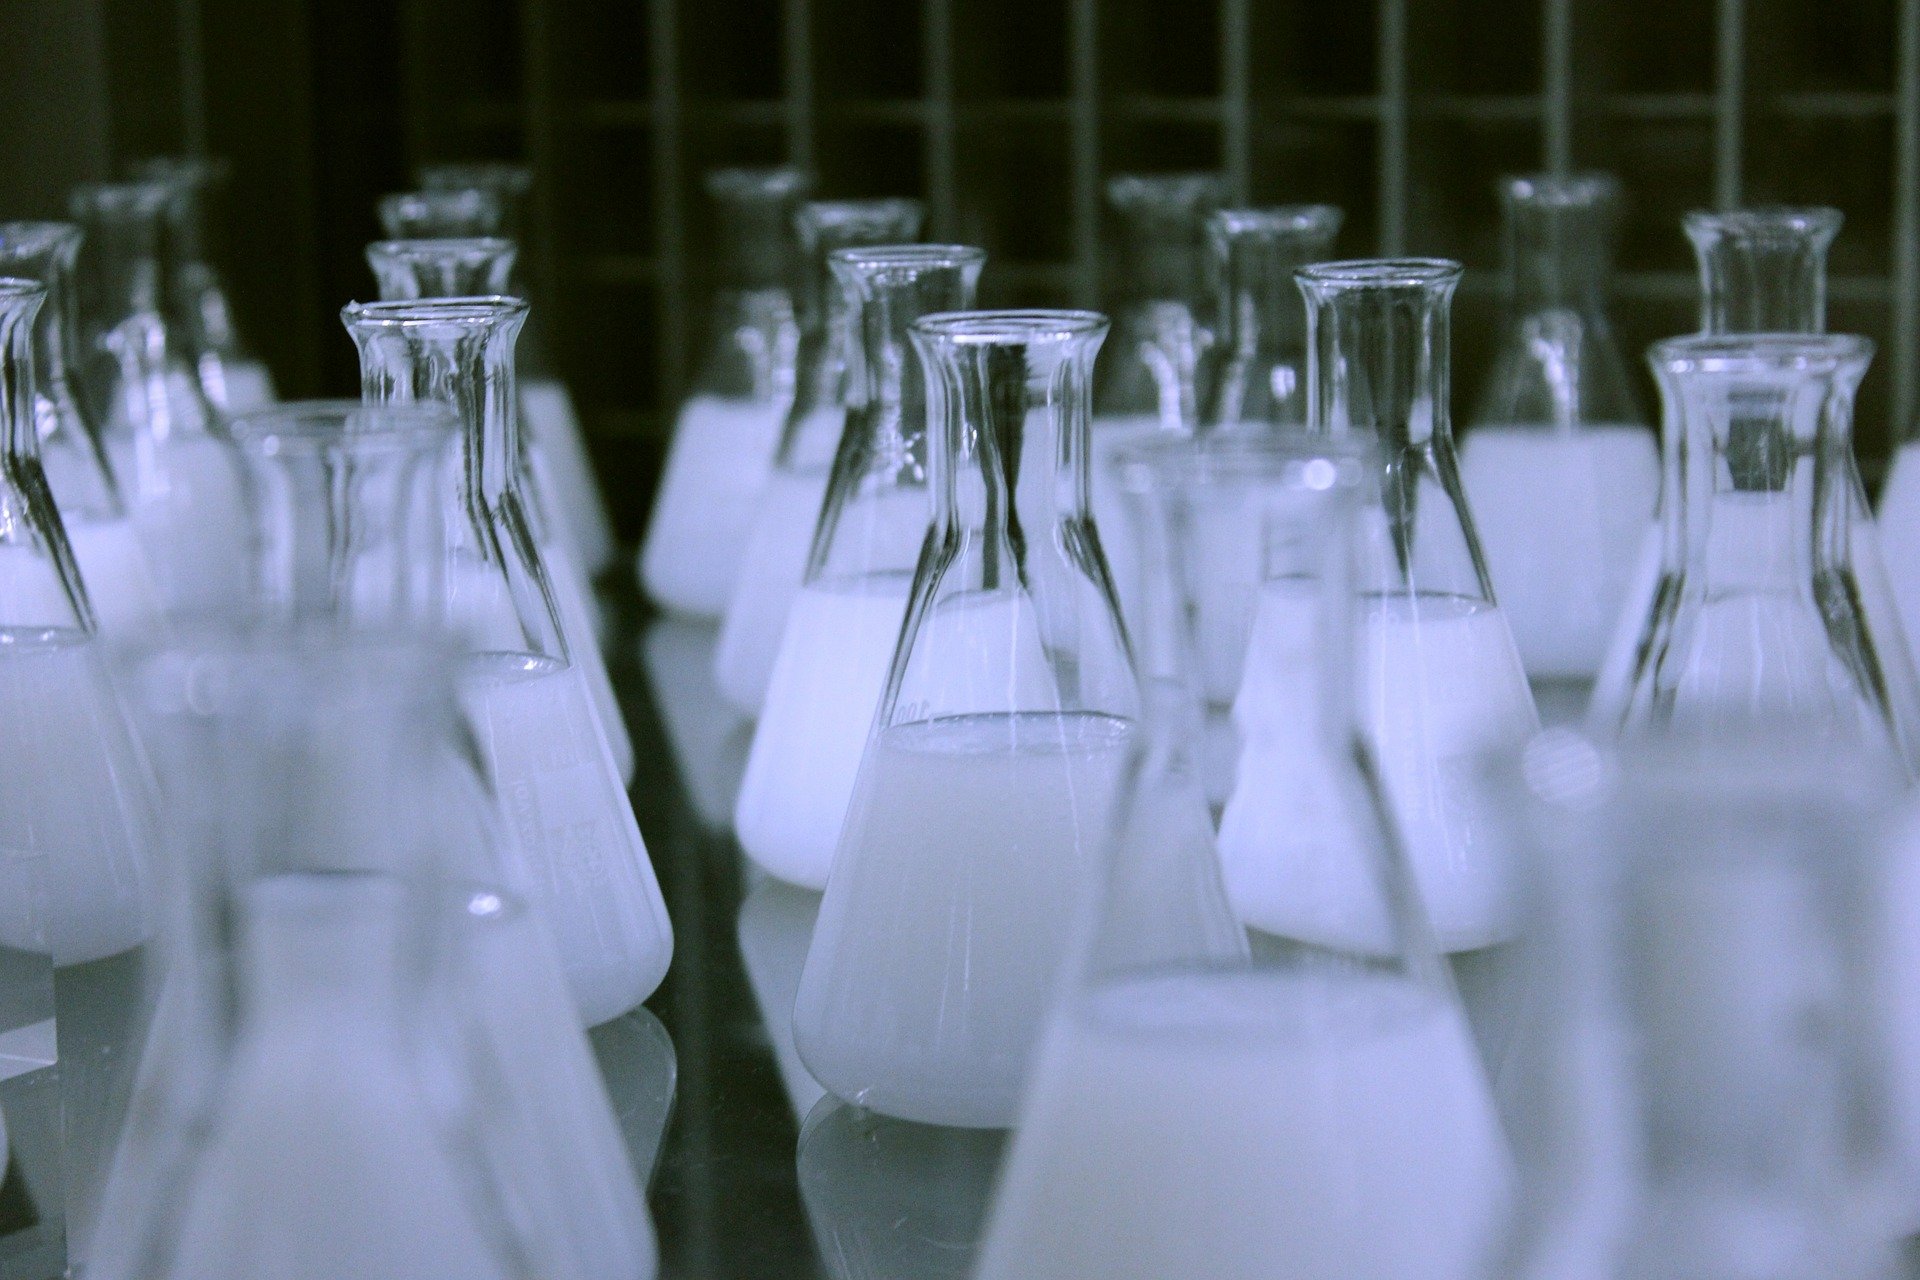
(303, 711)
(1151, 728)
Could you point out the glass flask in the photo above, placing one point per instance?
(337, 984)
(525, 691)
(433, 215)
(722, 448)
(776, 923)
(1157, 221)
(161, 434)
(1759, 612)
(105, 545)
(708, 738)
(888, 1198)
(844, 622)
(1315, 1065)
(997, 744)
(826, 378)
(1442, 682)
(455, 268)
(75, 807)
(1708, 911)
(559, 461)
(351, 505)
(233, 379)
(1559, 464)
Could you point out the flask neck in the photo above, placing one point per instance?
(47, 252)
(1763, 270)
(1160, 239)
(1259, 376)
(127, 231)
(441, 268)
(1379, 351)
(1557, 239)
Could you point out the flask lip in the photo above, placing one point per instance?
(18, 289)
(1011, 327)
(466, 206)
(1584, 189)
(132, 199)
(484, 175)
(1781, 220)
(441, 247)
(1762, 353)
(430, 313)
(1127, 192)
(32, 239)
(188, 173)
(1275, 221)
(318, 426)
(835, 213)
(776, 182)
(882, 256)
(1378, 273)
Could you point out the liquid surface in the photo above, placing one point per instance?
(715, 470)
(776, 561)
(1221, 1125)
(970, 843)
(806, 751)
(1560, 516)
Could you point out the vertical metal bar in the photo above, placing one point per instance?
(1392, 160)
(671, 303)
(193, 77)
(537, 140)
(1906, 219)
(1556, 87)
(1729, 94)
(937, 158)
(1236, 91)
(1083, 87)
(798, 73)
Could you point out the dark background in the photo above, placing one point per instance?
(1005, 115)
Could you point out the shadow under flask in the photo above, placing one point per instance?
(526, 695)
(92, 506)
(840, 635)
(232, 377)
(1441, 682)
(1308, 1057)
(827, 379)
(1760, 616)
(558, 460)
(162, 437)
(723, 441)
(974, 826)
(451, 268)
(1558, 463)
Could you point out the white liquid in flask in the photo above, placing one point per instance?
(770, 576)
(119, 581)
(565, 472)
(574, 599)
(716, 468)
(1239, 1126)
(190, 509)
(991, 825)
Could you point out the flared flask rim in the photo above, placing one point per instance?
(441, 246)
(1587, 188)
(133, 198)
(1762, 353)
(1126, 192)
(187, 173)
(33, 237)
(877, 208)
(1379, 273)
(315, 426)
(907, 255)
(476, 203)
(486, 175)
(1820, 220)
(15, 288)
(1275, 220)
(1012, 326)
(771, 182)
(430, 313)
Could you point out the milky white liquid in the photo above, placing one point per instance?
(1243, 1126)
(1560, 516)
(708, 738)
(1112, 513)
(1440, 684)
(770, 574)
(564, 470)
(119, 583)
(776, 923)
(72, 803)
(826, 684)
(562, 801)
(1899, 526)
(249, 385)
(574, 599)
(716, 467)
(189, 507)
(970, 844)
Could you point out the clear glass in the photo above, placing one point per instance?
(825, 375)
(106, 545)
(75, 807)
(560, 463)
(1559, 463)
(1255, 376)
(351, 498)
(1291, 1078)
(1759, 612)
(449, 268)
(1156, 293)
(774, 927)
(233, 378)
(839, 632)
(1442, 680)
(996, 747)
(460, 214)
(161, 434)
(525, 692)
(723, 443)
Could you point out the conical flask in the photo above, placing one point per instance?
(233, 379)
(775, 925)
(845, 620)
(75, 814)
(92, 509)
(411, 269)
(826, 374)
(335, 985)
(558, 459)
(1442, 682)
(527, 697)
(1324, 1073)
(351, 497)
(175, 471)
(461, 214)
(996, 746)
(723, 442)
(1559, 464)
(1760, 614)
